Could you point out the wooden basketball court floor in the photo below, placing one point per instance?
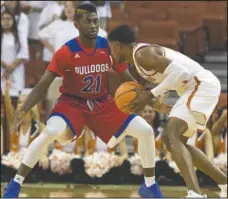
(49, 190)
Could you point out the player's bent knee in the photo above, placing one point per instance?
(144, 132)
(51, 130)
(147, 131)
(55, 126)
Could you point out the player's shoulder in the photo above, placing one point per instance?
(145, 50)
(145, 54)
(102, 42)
(73, 45)
(62, 51)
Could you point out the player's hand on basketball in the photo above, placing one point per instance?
(144, 97)
(17, 120)
(161, 107)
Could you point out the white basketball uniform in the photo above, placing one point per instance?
(198, 96)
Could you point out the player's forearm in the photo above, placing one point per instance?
(175, 74)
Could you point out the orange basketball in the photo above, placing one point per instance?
(126, 94)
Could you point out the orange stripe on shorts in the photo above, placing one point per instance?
(193, 92)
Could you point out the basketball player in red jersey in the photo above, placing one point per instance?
(197, 88)
(83, 62)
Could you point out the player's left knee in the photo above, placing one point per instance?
(146, 131)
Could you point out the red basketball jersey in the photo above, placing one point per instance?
(85, 74)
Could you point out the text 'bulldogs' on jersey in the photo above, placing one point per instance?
(84, 71)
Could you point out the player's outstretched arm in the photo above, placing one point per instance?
(35, 96)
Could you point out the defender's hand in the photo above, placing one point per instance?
(17, 120)
(143, 98)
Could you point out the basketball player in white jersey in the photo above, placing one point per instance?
(197, 88)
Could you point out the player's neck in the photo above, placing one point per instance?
(89, 43)
(129, 56)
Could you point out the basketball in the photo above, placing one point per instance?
(125, 94)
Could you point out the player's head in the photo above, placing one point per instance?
(119, 40)
(87, 21)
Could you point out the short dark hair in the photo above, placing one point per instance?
(122, 33)
(84, 8)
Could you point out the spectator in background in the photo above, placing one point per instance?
(214, 117)
(34, 9)
(59, 31)
(2, 6)
(203, 141)
(103, 11)
(62, 29)
(22, 20)
(76, 147)
(219, 132)
(54, 36)
(30, 128)
(95, 144)
(14, 52)
(49, 14)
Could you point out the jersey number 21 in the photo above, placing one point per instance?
(90, 81)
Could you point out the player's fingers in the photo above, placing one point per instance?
(133, 108)
(139, 108)
(136, 100)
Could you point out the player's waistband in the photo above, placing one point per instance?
(90, 104)
(102, 98)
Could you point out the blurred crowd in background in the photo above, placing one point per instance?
(34, 30)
